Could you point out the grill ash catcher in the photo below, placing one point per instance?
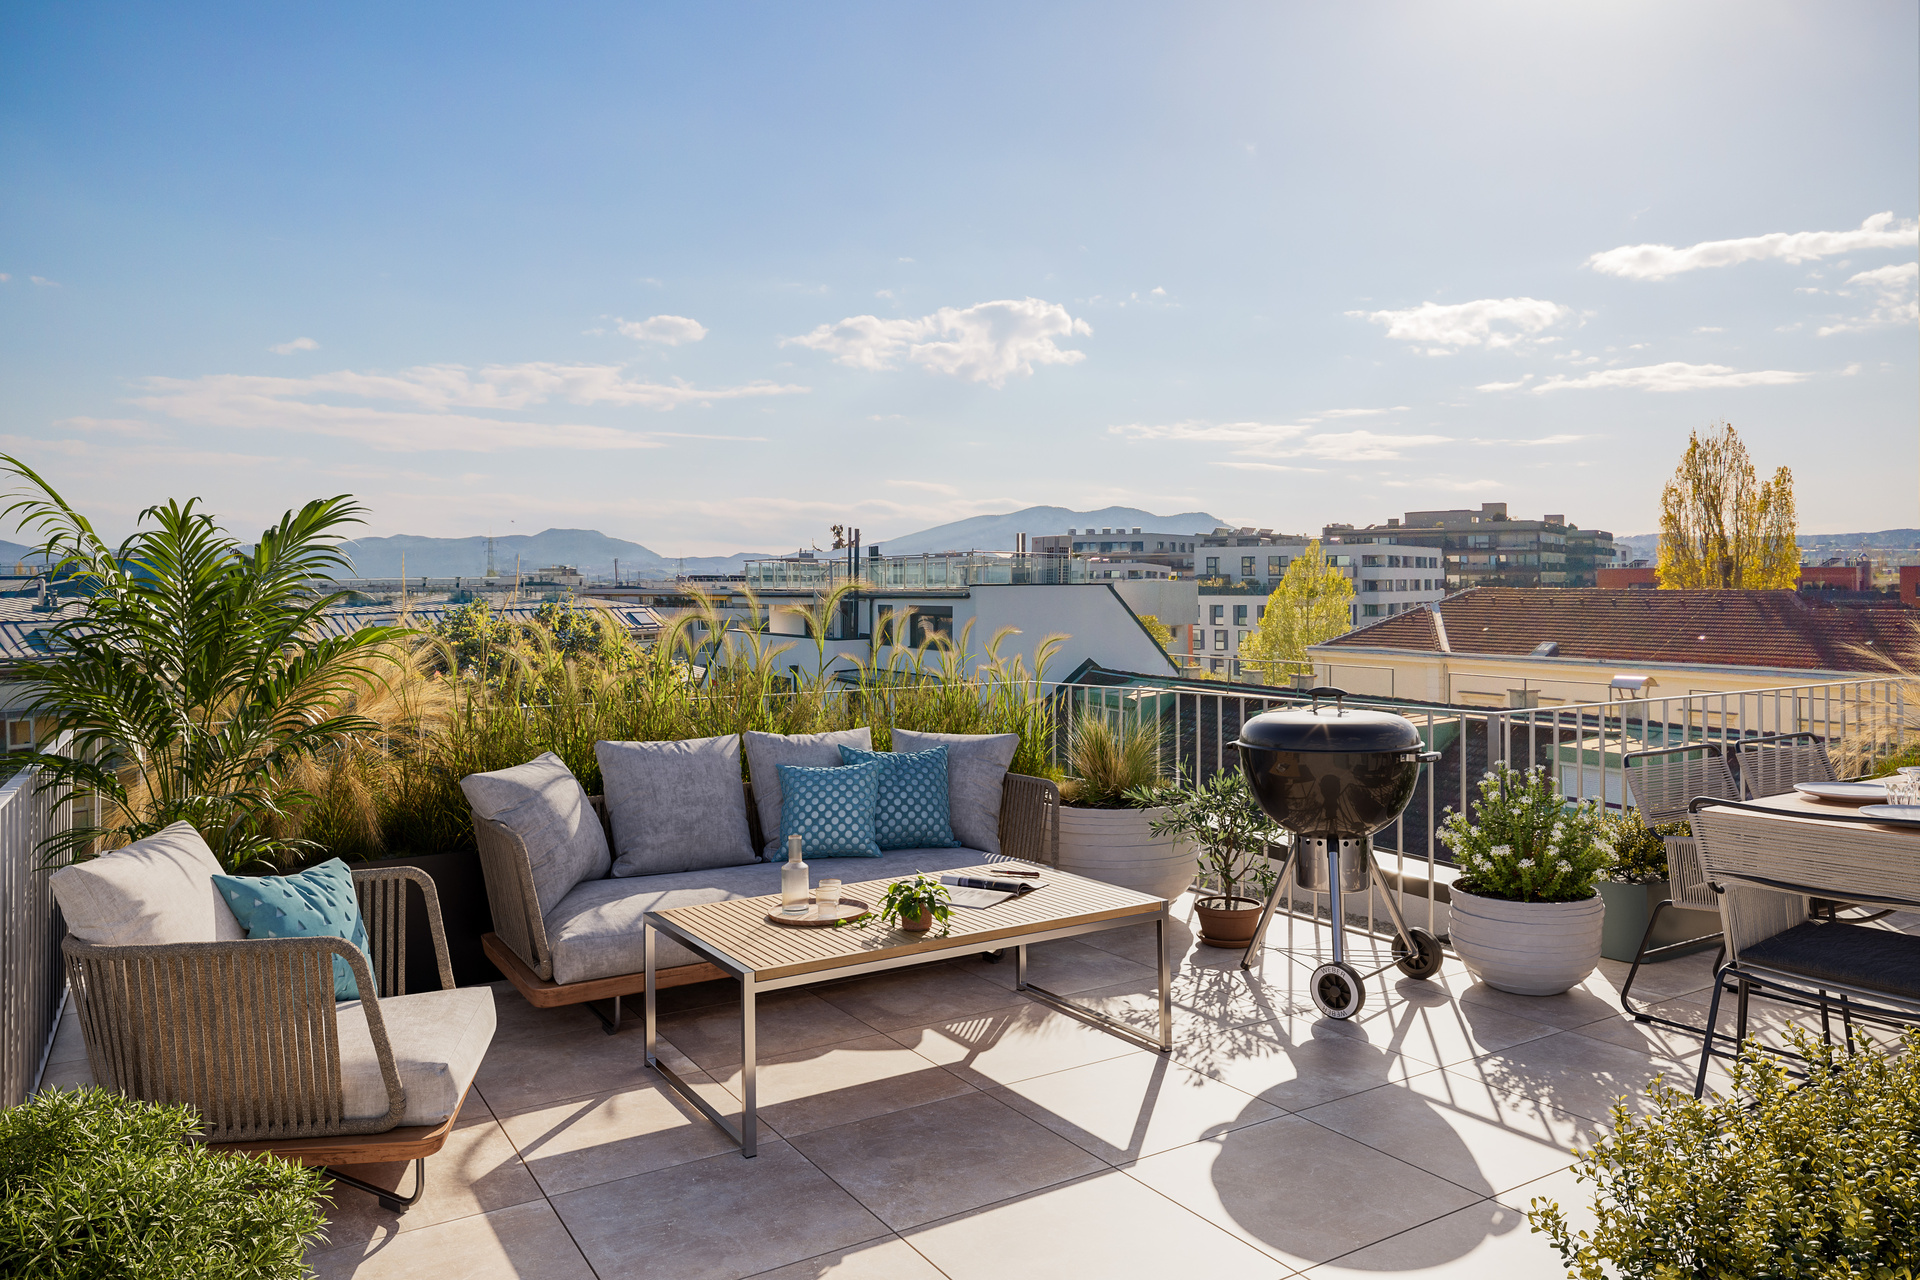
(1333, 777)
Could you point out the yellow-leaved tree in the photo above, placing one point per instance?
(1720, 527)
(1314, 602)
(1162, 636)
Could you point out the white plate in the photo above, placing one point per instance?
(1904, 813)
(1854, 792)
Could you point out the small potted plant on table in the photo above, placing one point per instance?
(1526, 916)
(1236, 841)
(916, 904)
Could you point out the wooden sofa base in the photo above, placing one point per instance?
(412, 1142)
(542, 993)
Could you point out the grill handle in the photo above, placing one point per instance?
(1339, 696)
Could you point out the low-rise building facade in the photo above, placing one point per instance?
(1489, 548)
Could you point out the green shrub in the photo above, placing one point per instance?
(95, 1185)
(1639, 849)
(1808, 1182)
(1530, 843)
(1104, 763)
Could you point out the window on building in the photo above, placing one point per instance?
(1239, 615)
(1369, 584)
(1246, 566)
(1393, 562)
(1213, 566)
(1139, 546)
(1399, 584)
(1239, 640)
(1369, 562)
(1259, 612)
(1219, 614)
(1233, 668)
(1392, 609)
(1369, 610)
(1218, 664)
(1220, 639)
(1275, 566)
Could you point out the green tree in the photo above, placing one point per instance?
(1313, 603)
(481, 644)
(1720, 527)
(197, 678)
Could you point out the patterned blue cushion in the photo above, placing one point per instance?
(831, 810)
(911, 812)
(317, 903)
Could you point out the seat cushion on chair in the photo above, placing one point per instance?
(157, 890)
(977, 766)
(676, 806)
(438, 1040)
(543, 804)
(767, 751)
(595, 932)
(1855, 954)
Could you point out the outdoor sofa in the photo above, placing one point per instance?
(570, 877)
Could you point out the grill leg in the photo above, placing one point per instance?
(1273, 900)
(1335, 909)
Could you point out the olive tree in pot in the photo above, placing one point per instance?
(1526, 918)
(1108, 807)
(1236, 841)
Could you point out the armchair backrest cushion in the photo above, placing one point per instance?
(976, 774)
(766, 752)
(676, 806)
(155, 891)
(320, 902)
(543, 804)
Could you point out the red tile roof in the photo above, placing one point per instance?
(1721, 628)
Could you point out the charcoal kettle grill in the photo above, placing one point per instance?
(1334, 776)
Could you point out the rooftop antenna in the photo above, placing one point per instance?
(491, 571)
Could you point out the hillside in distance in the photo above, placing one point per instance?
(1644, 546)
(996, 533)
(588, 550)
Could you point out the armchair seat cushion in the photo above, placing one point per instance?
(438, 1040)
(596, 932)
(1855, 954)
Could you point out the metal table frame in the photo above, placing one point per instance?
(751, 986)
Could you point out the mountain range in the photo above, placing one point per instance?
(1644, 546)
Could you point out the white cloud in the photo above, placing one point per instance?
(1895, 286)
(4, 277)
(1503, 386)
(1674, 375)
(1356, 413)
(1533, 443)
(1269, 466)
(1282, 440)
(1658, 261)
(1444, 485)
(298, 344)
(671, 330)
(986, 342)
(44, 283)
(928, 485)
(117, 426)
(428, 396)
(1489, 322)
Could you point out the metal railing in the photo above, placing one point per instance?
(33, 980)
(1583, 747)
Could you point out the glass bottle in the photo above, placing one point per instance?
(796, 896)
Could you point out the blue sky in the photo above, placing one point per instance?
(714, 277)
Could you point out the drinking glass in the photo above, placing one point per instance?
(826, 896)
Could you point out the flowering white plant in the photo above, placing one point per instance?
(1531, 844)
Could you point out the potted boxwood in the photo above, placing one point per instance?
(1637, 882)
(1235, 839)
(1108, 807)
(1526, 917)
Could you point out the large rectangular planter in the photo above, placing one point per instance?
(1629, 906)
(464, 913)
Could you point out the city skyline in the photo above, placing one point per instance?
(711, 281)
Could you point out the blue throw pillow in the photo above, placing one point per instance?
(317, 903)
(912, 810)
(831, 810)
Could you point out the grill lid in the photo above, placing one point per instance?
(1330, 728)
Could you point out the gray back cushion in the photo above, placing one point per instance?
(676, 806)
(976, 774)
(767, 751)
(543, 803)
(155, 890)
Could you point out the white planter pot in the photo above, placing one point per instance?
(1116, 846)
(1528, 948)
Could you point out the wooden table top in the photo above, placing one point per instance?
(739, 927)
(1794, 804)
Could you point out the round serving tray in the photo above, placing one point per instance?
(849, 910)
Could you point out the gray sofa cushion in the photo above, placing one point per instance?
(438, 1040)
(976, 773)
(543, 803)
(676, 806)
(595, 931)
(155, 890)
(766, 751)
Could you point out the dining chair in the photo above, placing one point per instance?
(1773, 764)
(1662, 783)
(1766, 866)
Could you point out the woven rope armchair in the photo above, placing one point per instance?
(1767, 866)
(248, 1033)
(519, 946)
(1663, 784)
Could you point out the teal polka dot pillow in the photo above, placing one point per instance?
(317, 903)
(831, 810)
(911, 811)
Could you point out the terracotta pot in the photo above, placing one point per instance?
(917, 923)
(1116, 846)
(1228, 926)
(1528, 948)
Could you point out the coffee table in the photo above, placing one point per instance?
(737, 936)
